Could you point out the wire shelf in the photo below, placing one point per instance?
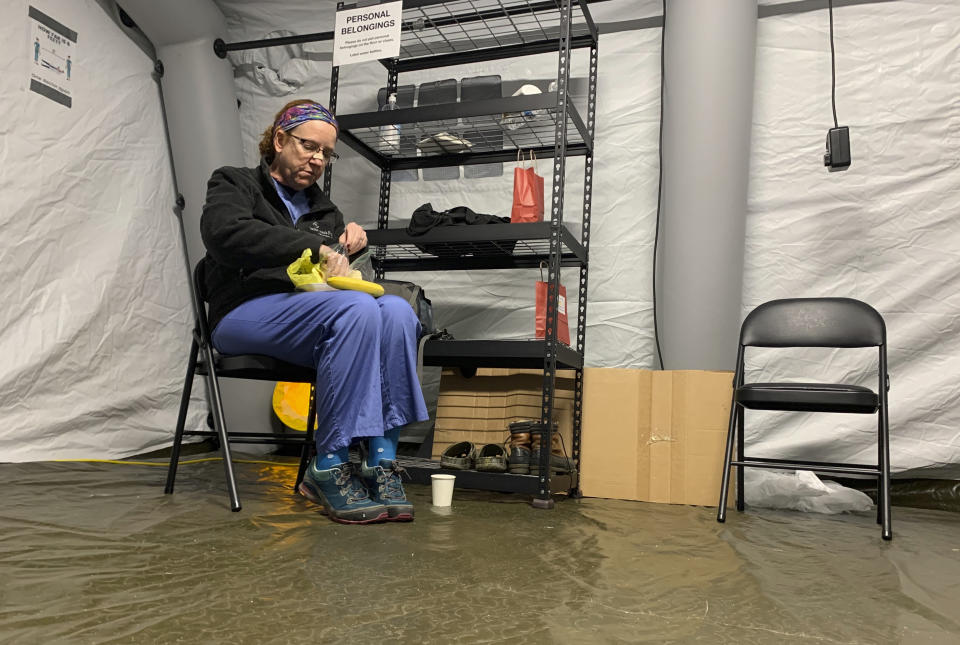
(455, 133)
(456, 26)
(486, 246)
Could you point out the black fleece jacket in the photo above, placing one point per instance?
(251, 239)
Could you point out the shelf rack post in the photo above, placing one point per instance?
(332, 106)
(543, 498)
(386, 174)
(585, 241)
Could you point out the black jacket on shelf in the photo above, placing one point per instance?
(426, 219)
(251, 238)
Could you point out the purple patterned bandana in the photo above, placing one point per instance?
(296, 115)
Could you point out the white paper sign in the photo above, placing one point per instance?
(367, 33)
(53, 57)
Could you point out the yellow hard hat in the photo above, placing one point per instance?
(291, 404)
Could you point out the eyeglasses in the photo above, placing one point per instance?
(312, 149)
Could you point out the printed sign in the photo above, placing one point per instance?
(367, 33)
(53, 57)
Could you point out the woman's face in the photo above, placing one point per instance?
(301, 153)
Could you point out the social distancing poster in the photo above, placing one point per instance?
(53, 57)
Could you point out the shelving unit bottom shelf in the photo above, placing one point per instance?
(497, 353)
(421, 469)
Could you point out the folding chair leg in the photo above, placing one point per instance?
(880, 496)
(727, 458)
(305, 450)
(182, 418)
(886, 528)
(879, 501)
(880, 467)
(216, 405)
(740, 503)
(884, 484)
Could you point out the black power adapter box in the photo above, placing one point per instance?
(837, 156)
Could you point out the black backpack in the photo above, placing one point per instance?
(413, 293)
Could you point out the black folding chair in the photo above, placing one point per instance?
(215, 366)
(812, 322)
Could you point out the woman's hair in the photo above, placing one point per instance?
(266, 140)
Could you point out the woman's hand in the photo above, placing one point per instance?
(354, 238)
(336, 264)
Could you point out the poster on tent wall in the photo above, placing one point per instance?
(367, 33)
(53, 55)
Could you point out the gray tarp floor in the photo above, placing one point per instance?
(96, 553)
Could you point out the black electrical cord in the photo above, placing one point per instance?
(656, 234)
(833, 68)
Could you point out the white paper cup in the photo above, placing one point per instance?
(442, 489)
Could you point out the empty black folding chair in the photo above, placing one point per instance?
(215, 366)
(811, 322)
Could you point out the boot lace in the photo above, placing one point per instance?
(351, 488)
(391, 485)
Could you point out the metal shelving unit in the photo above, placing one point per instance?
(438, 33)
(488, 141)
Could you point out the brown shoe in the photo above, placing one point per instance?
(559, 462)
(519, 458)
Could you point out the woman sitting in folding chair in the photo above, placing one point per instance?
(255, 223)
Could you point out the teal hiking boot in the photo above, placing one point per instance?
(383, 482)
(342, 495)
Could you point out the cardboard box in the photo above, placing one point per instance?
(654, 436)
(481, 408)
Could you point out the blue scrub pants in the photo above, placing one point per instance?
(363, 348)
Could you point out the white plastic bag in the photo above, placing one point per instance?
(800, 490)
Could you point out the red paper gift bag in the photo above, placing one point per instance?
(527, 192)
(563, 327)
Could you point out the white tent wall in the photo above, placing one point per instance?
(96, 311)
(883, 231)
